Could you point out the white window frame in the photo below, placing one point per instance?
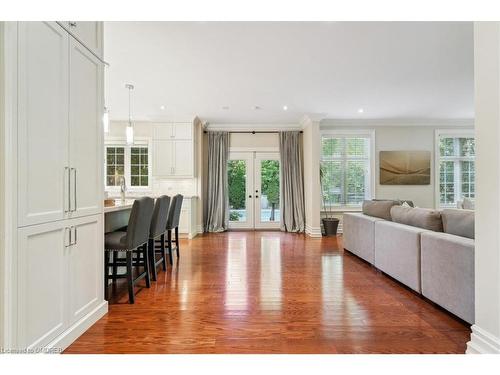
(367, 133)
(138, 142)
(448, 133)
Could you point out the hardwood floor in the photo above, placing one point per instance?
(269, 292)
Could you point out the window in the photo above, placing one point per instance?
(345, 169)
(131, 162)
(456, 168)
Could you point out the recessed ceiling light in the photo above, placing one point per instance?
(256, 107)
(285, 108)
(162, 107)
(361, 110)
(225, 107)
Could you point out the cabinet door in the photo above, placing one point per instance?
(163, 131)
(183, 158)
(85, 266)
(41, 288)
(182, 130)
(88, 32)
(85, 131)
(163, 158)
(42, 122)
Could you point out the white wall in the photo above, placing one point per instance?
(254, 141)
(485, 336)
(418, 137)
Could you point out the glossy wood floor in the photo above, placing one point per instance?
(269, 292)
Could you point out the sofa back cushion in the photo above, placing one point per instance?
(458, 222)
(379, 208)
(418, 217)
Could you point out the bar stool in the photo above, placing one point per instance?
(132, 241)
(174, 215)
(157, 229)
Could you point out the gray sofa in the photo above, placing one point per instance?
(438, 265)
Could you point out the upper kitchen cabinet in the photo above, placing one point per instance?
(173, 151)
(87, 32)
(60, 104)
(175, 130)
(85, 130)
(42, 122)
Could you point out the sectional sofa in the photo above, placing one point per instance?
(430, 251)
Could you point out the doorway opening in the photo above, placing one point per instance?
(254, 190)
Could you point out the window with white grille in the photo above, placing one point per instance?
(345, 169)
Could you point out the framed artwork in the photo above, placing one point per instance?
(405, 167)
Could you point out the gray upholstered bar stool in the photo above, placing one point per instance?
(157, 229)
(133, 241)
(174, 215)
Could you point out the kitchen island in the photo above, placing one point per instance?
(116, 216)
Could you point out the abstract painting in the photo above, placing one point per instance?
(405, 167)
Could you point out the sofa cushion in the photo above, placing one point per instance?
(458, 222)
(379, 208)
(418, 217)
(468, 204)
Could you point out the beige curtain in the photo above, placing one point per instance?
(292, 183)
(217, 213)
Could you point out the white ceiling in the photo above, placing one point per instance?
(393, 70)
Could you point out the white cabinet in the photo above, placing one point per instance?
(87, 32)
(85, 130)
(183, 158)
(173, 150)
(60, 264)
(173, 130)
(173, 158)
(59, 144)
(55, 109)
(42, 287)
(85, 265)
(42, 122)
(187, 221)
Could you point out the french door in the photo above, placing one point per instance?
(254, 190)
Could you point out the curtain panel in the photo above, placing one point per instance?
(217, 215)
(292, 182)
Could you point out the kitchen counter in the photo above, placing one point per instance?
(119, 205)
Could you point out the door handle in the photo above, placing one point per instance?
(67, 205)
(256, 196)
(249, 196)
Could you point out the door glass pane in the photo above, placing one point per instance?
(237, 180)
(270, 191)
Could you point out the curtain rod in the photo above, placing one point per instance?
(253, 132)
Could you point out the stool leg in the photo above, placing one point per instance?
(115, 267)
(177, 241)
(130, 278)
(169, 241)
(106, 274)
(164, 252)
(147, 262)
(152, 258)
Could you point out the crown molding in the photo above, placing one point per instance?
(327, 123)
(252, 127)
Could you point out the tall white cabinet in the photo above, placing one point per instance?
(56, 268)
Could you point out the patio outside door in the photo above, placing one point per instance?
(254, 187)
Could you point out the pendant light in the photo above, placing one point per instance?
(130, 130)
(105, 120)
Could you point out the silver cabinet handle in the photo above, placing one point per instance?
(76, 236)
(67, 237)
(67, 204)
(74, 189)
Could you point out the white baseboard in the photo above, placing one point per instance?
(482, 342)
(314, 232)
(76, 330)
